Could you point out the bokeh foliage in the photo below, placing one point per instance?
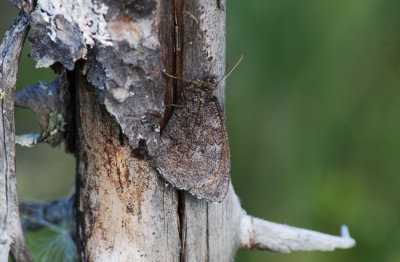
(313, 120)
(312, 117)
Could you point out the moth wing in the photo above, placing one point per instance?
(191, 146)
(216, 188)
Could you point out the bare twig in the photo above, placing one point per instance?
(58, 218)
(261, 234)
(43, 98)
(38, 215)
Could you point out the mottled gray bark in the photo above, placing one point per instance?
(115, 100)
(11, 235)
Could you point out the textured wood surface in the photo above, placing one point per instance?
(11, 236)
(126, 212)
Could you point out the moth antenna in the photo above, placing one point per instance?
(226, 67)
(214, 62)
(192, 16)
(176, 77)
(233, 69)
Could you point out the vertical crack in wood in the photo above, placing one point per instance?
(175, 92)
(68, 101)
(207, 236)
(179, 40)
(182, 226)
(170, 37)
(80, 224)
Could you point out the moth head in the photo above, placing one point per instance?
(199, 91)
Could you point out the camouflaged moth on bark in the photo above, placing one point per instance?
(194, 149)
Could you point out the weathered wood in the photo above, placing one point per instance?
(259, 234)
(126, 212)
(11, 236)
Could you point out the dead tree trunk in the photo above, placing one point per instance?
(114, 99)
(126, 209)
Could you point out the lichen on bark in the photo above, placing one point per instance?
(119, 44)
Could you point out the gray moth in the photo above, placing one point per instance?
(194, 149)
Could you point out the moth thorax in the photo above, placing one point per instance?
(199, 91)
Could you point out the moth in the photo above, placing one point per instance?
(194, 149)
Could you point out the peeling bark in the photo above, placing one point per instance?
(120, 42)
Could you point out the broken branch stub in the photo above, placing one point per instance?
(44, 100)
(260, 234)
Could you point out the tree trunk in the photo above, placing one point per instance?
(126, 211)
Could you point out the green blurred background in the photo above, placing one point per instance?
(312, 117)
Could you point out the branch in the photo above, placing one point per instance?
(44, 100)
(25, 6)
(264, 235)
(11, 236)
(255, 233)
(58, 217)
(27, 140)
(38, 215)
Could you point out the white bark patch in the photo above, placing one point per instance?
(134, 32)
(27, 140)
(124, 28)
(120, 94)
(87, 16)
